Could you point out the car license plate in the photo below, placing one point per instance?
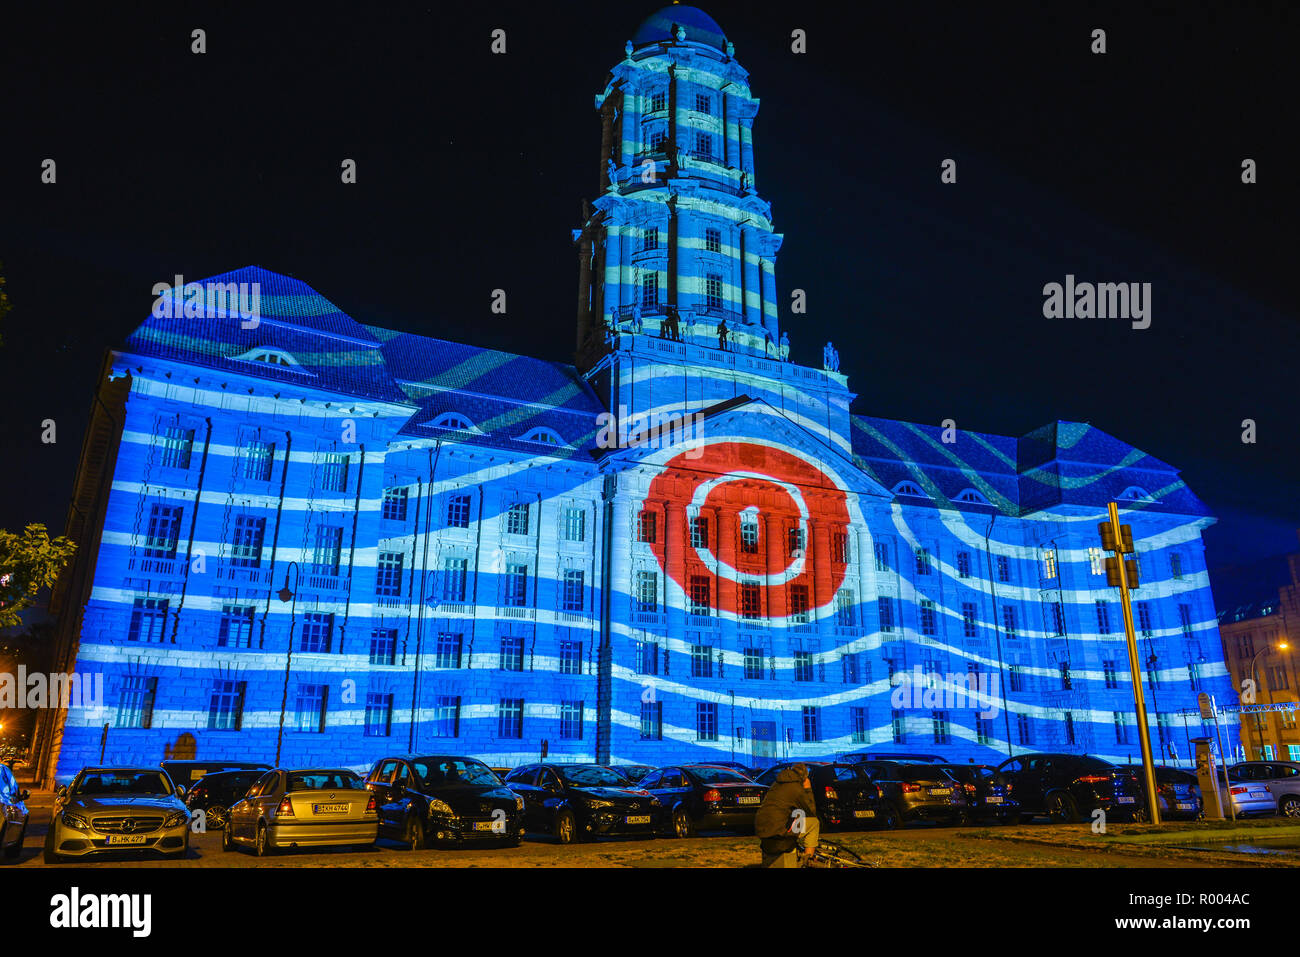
(748, 800)
(993, 799)
(126, 838)
(1127, 800)
(1260, 795)
(941, 791)
(864, 813)
(484, 825)
(638, 819)
(329, 808)
(1186, 806)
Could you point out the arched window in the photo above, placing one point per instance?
(543, 437)
(452, 420)
(972, 497)
(908, 488)
(1135, 494)
(274, 357)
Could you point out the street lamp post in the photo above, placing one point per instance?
(1282, 646)
(291, 596)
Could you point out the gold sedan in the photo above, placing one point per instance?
(309, 808)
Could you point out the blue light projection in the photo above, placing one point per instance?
(472, 566)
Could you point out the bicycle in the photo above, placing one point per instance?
(830, 854)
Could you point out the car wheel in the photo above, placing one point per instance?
(1139, 815)
(515, 841)
(683, 826)
(566, 828)
(415, 835)
(216, 816)
(1061, 808)
(262, 843)
(888, 819)
(227, 838)
(17, 848)
(1290, 806)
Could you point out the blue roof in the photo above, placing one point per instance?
(699, 27)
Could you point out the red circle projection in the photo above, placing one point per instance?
(729, 480)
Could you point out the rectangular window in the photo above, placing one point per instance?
(517, 519)
(646, 527)
(574, 598)
(1176, 566)
(799, 603)
(1153, 675)
(447, 650)
(658, 102)
(898, 725)
(148, 620)
(177, 446)
(246, 547)
(858, 722)
(750, 601)
(317, 635)
(226, 706)
(135, 702)
(649, 239)
(969, 626)
(516, 585)
(571, 720)
(713, 291)
(335, 478)
(1017, 678)
(701, 661)
(983, 730)
(646, 595)
(928, 625)
(236, 628)
(327, 549)
(749, 536)
(845, 608)
(1004, 568)
(1185, 620)
(1066, 681)
(652, 720)
(703, 103)
(258, 460)
(922, 561)
(852, 668)
(455, 579)
(383, 646)
(700, 604)
(512, 653)
(510, 718)
(812, 731)
(164, 531)
(942, 734)
(1024, 729)
(1055, 614)
(1121, 727)
(379, 715)
(388, 574)
(881, 551)
(570, 657)
(1144, 619)
(713, 240)
(1069, 728)
(575, 524)
(446, 716)
(647, 658)
(794, 542)
(1009, 621)
(963, 564)
(1103, 616)
(1049, 564)
(310, 707)
(754, 664)
(1096, 562)
(650, 290)
(886, 608)
(394, 504)
(703, 145)
(803, 666)
(458, 511)
(706, 721)
(1110, 677)
(699, 533)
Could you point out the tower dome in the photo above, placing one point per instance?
(699, 27)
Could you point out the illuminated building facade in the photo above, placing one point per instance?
(682, 547)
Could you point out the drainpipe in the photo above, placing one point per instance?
(997, 629)
(194, 523)
(427, 493)
(275, 540)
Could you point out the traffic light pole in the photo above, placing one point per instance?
(1144, 735)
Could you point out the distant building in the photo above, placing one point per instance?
(1260, 645)
(679, 548)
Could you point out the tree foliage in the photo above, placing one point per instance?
(29, 562)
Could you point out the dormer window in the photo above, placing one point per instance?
(452, 420)
(1135, 494)
(544, 437)
(972, 497)
(272, 357)
(908, 488)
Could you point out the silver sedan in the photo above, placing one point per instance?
(307, 808)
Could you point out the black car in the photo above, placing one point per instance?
(704, 797)
(443, 798)
(185, 773)
(987, 796)
(578, 802)
(1069, 787)
(845, 795)
(919, 791)
(216, 791)
(736, 766)
(1178, 791)
(633, 772)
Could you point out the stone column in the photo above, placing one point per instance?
(725, 550)
(753, 305)
(612, 298)
(747, 150)
(631, 125)
(675, 542)
(769, 298)
(584, 288)
(773, 527)
(817, 556)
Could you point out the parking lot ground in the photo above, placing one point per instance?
(1028, 845)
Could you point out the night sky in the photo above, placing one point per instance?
(1123, 167)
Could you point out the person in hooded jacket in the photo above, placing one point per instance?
(787, 818)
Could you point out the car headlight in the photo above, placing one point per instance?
(75, 821)
(654, 802)
(175, 819)
(597, 804)
(519, 803)
(440, 807)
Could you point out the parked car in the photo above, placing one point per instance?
(1069, 787)
(1178, 791)
(443, 798)
(185, 773)
(987, 796)
(633, 772)
(1249, 798)
(704, 797)
(578, 802)
(736, 766)
(1281, 777)
(106, 810)
(857, 757)
(845, 795)
(918, 791)
(316, 807)
(13, 814)
(216, 791)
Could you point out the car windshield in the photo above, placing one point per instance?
(593, 777)
(925, 775)
(633, 773)
(324, 781)
(452, 771)
(123, 782)
(711, 775)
